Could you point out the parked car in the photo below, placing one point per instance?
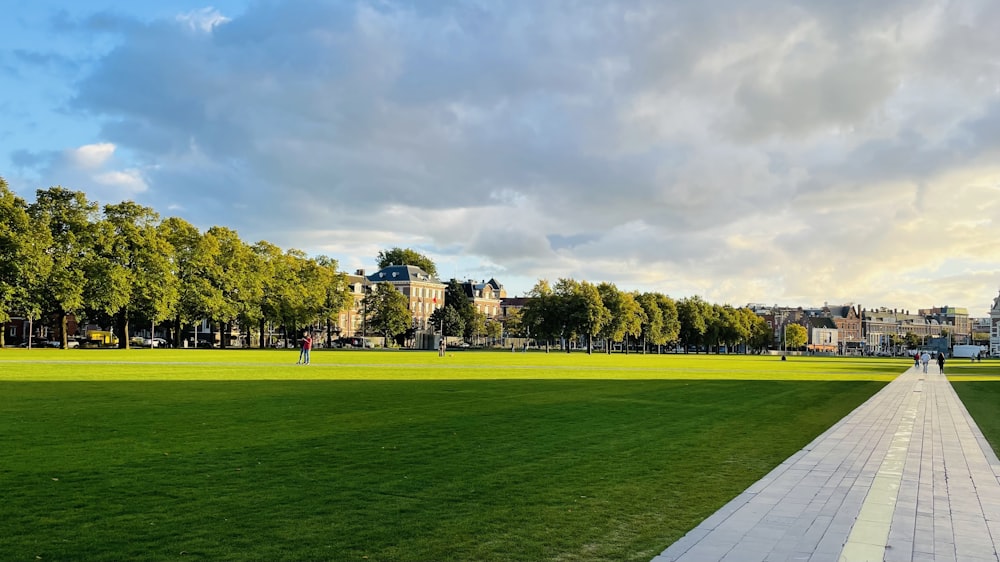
(40, 342)
(154, 342)
(352, 342)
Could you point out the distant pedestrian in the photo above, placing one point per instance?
(916, 360)
(306, 347)
(442, 347)
(940, 359)
(925, 358)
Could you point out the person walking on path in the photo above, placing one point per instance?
(916, 360)
(925, 358)
(306, 347)
(940, 359)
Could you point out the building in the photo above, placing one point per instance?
(424, 292)
(995, 328)
(486, 296)
(350, 321)
(847, 319)
(822, 332)
(955, 319)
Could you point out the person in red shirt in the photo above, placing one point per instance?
(307, 343)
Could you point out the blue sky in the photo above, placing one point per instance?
(746, 151)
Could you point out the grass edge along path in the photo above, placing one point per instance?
(379, 470)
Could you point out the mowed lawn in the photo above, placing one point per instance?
(242, 455)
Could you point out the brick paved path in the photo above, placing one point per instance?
(906, 476)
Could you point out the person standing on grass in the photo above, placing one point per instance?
(925, 358)
(941, 362)
(306, 346)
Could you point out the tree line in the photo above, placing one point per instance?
(582, 312)
(120, 265)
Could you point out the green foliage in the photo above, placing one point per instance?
(582, 311)
(456, 299)
(388, 311)
(692, 313)
(24, 262)
(514, 323)
(626, 314)
(477, 329)
(796, 336)
(545, 314)
(449, 319)
(71, 220)
(401, 256)
(131, 271)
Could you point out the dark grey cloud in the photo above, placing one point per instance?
(638, 141)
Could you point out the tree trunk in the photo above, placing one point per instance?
(121, 329)
(64, 322)
(263, 326)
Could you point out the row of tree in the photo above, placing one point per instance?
(121, 264)
(584, 312)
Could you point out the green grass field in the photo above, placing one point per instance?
(206, 454)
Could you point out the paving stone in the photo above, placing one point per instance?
(936, 493)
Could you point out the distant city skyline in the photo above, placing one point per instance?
(762, 151)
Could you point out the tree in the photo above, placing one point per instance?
(691, 315)
(652, 327)
(227, 264)
(24, 262)
(671, 322)
(625, 315)
(542, 314)
(70, 218)
(513, 323)
(494, 330)
(583, 312)
(184, 241)
(450, 320)
(732, 327)
(795, 336)
(401, 256)
(338, 295)
(388, 311)
(761, 335)
(912, 340)
(276, 276)
(456, 299)
(131, 274)
(477, 329)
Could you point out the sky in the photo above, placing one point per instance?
(747, 151)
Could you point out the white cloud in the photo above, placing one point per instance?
(91, 156)
(748, 151)
(205, 19)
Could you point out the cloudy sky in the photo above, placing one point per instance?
(778, 152)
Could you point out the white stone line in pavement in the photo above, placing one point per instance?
(870, 533)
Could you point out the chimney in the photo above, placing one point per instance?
(360, 272)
